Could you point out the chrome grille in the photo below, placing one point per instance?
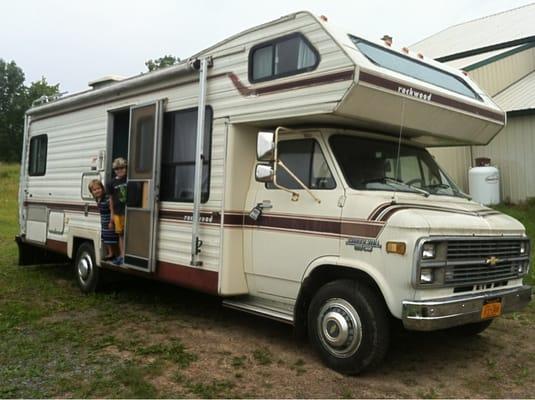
(470, 249)
(482, 261)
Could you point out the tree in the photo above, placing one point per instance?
(15, 99)
(162, 62)
(12, 102)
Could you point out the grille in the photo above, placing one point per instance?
(468, 261)
(472, 249)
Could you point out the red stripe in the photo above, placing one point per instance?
(191, 277)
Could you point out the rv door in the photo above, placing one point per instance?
(143, 186)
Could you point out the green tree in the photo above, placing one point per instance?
(15, 99)
(162, 62)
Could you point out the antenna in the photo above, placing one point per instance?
(402, 122)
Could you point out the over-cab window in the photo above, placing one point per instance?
(306, 160)
(178, 155)
(284, 56)
(37, 159)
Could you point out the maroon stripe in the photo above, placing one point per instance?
(300, 83)
(56, 246)
(191, 277)
(360, 229)
(205, 217)
(64, 207)
(436, 98)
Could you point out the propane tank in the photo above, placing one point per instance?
(484, 182)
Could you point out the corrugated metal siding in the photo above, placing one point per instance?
(498, 75)
(511, 151)
(498, 28)
(456, 163)
(519, 96)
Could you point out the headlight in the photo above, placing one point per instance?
(523, 247)
(428, 251)
(426, 275)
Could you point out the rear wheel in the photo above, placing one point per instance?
(88, 275)
(348, 325)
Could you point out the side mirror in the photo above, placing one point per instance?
(264, 173)
(265, 146)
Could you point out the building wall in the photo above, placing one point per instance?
(498, 75)
(511, 151)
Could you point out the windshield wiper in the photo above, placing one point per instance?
(390, 181)
(438, 186)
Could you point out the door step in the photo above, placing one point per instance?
(271, 310)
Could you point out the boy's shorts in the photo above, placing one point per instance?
(118, 222)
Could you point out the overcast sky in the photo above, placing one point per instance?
(73, 42)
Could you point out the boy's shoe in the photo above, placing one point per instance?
(118, 261)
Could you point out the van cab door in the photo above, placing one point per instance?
(290, 234)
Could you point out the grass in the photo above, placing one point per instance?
(133, 342)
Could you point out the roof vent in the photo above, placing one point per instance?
(105, 81)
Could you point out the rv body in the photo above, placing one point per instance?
(326, 255)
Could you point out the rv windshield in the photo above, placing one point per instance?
(369, 164)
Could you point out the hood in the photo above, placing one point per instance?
(466, 219)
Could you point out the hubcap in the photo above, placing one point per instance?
(85, 267)
(339, 328)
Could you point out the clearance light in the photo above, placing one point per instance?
(420, 56)
(396, 247)
(405, 50)
(324, 18)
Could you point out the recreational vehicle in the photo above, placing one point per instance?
(285, 170)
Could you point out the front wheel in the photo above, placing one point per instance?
(87, 273)
(348, 325)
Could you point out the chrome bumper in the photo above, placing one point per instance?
(429, 315)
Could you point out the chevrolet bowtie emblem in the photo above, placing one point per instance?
(492, 260)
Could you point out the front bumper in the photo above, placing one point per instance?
(429, 315)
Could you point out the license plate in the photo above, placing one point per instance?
(491, 309)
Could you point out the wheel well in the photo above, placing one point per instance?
(319, 277)
(77, 242)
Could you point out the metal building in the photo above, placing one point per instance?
(498, 52)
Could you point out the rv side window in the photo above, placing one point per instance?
(178, 155)
(306, 160)
(37, 159)
(284, 56)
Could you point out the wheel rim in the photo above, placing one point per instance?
(339, 328)
(85, 267)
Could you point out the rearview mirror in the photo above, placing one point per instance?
(265, 146)
(264, 173)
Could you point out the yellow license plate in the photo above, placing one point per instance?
(491, 309)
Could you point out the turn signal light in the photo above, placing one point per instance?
(396, 247)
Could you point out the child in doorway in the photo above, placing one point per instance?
(117, 191)
(108, 236)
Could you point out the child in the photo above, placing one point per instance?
(109, 238)
(117, 191)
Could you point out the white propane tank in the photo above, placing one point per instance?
(484, 184)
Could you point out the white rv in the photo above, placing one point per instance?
(284, 169)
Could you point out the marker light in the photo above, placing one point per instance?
(396, 247)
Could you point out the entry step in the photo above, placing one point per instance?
(266, 308)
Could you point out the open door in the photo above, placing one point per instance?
(143, 186)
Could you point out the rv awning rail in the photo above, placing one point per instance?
(136, 82)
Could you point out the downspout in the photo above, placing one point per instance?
(196, 243)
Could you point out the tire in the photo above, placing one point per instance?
(471, 329)
(88, 275)
(348, 325)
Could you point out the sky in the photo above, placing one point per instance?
(73, 42)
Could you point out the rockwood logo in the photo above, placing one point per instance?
(414, 93)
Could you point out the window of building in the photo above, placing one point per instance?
(178, 155)
(306, 160)
(37, 159)
(284, 56)
(407, 66)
